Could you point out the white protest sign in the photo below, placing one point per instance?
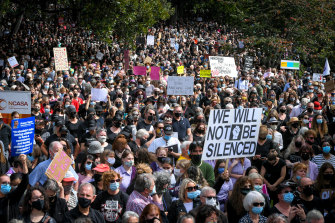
(19, 101)
(222, 66)
(12, 62)
(150, 40)
(99, 94)
(317, 77)
(172, 42)
(232, 133)
(99, 55)
(61, 62)
(180, 85)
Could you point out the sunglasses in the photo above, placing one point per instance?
(210, 197)
(189, 189)
(113, 181)
(287, 191)
(256, 204)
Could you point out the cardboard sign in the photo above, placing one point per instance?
(325, 194)
(180, 70)
(222, 66)
(180, 85)
(248, 63)
(150, 40)
(99, 55)
(23, 131)
(59, 166)
(139, 70)
(317, 77)
(289, 64)
(19, 101)
(154, 73)
(205, 73)
(147, 60)
(99, 94)
(232, 133)
(61, 62)
(13, 62)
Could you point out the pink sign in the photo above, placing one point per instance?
(139, 70)
(154, 74)
(58, 167)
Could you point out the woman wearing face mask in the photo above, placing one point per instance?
(101, 136)
(163, 186)
(119, 104)
(253, 203)
(319, 125)
(325, 156)
(237, 167)
(85, 172)
(263, 147)
(188, 200)
(114, 129)
(73, 123)
(223, 184)
(292, 153)
(325, 181)
(126, 170)
(161, 154)
(70, 194)
(234, 204)
(289, 131)
(108, 157)
(151, 214)
(312, 168)
(285, 197)
(259, 186)
(35, 206)
(199, 132)
(277, 136)
(299, 171)
(119, 146)
(111, 194)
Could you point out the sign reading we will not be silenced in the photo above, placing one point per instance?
(232, 133)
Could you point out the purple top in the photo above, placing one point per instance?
(223, 193)
(126, 177)
(211, 162)
(313, 171)
(239, 169)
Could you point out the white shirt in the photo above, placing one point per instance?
(160, 142)
(242, 84)
(278, 138)
(188, 206)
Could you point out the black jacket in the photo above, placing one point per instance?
(178, 209)
(94, 215)
(58, 209)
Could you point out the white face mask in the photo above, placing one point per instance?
(211, 202)
(177, 172)
(102, 139)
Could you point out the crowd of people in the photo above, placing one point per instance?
(137, 157)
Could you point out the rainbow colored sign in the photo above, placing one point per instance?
(289, 64)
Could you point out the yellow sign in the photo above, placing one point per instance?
(180, 70)
(205, 73)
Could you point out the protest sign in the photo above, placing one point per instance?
(180, 70)
(61, 62)
(19, 101)
(232, 133)
(59, 166)
(99, 55)
(180, 85)
(248, 63)
(150, 40)
(147, 60)
(222, 66)
(99, 94)
(12, 62)
(22, 136)
(289, 64)
(205, 73)
(326, 193)
(154, 74)
(317, 77)
(176, 46)
(172, 42)
(139, 70)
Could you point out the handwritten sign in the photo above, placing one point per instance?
(248, 63)
(205, 73)
(222, 66)
(172, 42)
(289, 64)
(99, 94)
(317, 77)
(150, 40)
(139, 70)
(99, 55)
(154, 73)
(180, 70)
(180, 85)
(22, 136)
(13, 62)
(61, 62)
(232, 133)
(59, 166)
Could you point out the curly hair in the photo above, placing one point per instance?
(108, 176)
(194, 173)
(143, 168)
(147, 210)
(119, 143)
(162, 179)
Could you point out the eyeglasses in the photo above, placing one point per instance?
(258, 204)
(189, 189)
(287, 191)
(113, 181)
(210, 197)
(89, 163)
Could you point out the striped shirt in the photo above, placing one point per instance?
(320, 159)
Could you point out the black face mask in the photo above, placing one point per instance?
(38, 205)
(160, 159)
(196, 159)
(150, 118)
(151, 220)
(328, 176)
(177, 114)
(308, 191)
(52, 199)
(245, 191)
(202, 131)
(310, 110)
(63, 135)
(117, 124)
(298, 144)
(143, 141)
(305, 156)
(118, 105)
(282, 110)
(84, 202)
(38, 131)
(295, 125)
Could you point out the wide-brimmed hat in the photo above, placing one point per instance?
(292, 120)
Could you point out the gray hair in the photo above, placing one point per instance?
(53, 144)
(141, 133)
(184, 217)
(277, 218)
(254, 176)
(127, 215)
(229, 106)
(85, 185)
(251, 197)
(206, 190)
(185, 144)
(143, 181)
(313, 215)
(183, 186)
(162, 178)
(51, 184)
(100, 130)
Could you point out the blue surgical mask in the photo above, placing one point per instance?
(66, 106)
(88, 166)
(221, 170)
(269, 137)
(306, 121)
(129, 163)
(153, 192)
(111, 160)
(192, 195)
(47, 110)
(257, 210)
(30, 158)
(167, 138)
(114, 186)
(258, 188)
(303, 106)
(288, 197)
(310, 90)
(326, 149)
(5, 188)
(319, 121)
